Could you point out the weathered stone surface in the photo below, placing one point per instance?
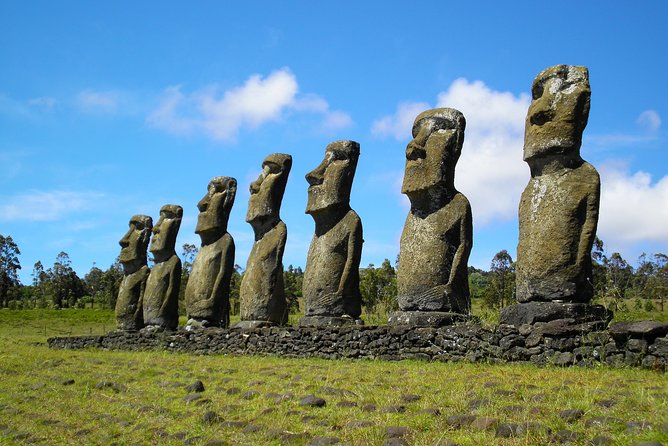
(161, 298)
(453, 343)
(558, 211)
(437, 236)
(129, 313)
(331, 278)
(532, 312)
(208, 290)
(638, 329)
(425, 318)
(262, 295)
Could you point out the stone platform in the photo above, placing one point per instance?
(560, 343)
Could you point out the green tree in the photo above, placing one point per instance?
(235, 286)
(292, 283)
(95, 284)
(188, 255)
(111, 283)
(65, 287)
(501, 288)
(9, 267)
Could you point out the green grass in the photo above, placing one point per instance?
(148, 406)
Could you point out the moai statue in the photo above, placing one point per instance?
(432, 276)
(161, 298)
(558, 211)
(208, 289)
(262, 296)
(129, 315)
(331, 280)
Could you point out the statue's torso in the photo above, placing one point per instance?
(427, 250)
(161, 302)
(553, 213)
(261, 293)
(129, 302)
(323, 290)
(207, 292)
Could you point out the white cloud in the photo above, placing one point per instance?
(221, 115)
(91, 100)
(46, 206)
(400, 124)
(490, 172)
(649, 120)
(633, 208)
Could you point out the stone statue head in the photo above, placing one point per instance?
(135, 241)
(166, 229)
(558, 112)
(330, 183)
(267, 191)
(215, 207)
(438, 136)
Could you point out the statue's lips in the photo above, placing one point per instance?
(314, 188)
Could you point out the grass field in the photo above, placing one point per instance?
(125, 398)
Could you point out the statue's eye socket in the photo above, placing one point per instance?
(270, 167)
(537, 91)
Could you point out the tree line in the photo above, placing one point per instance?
(617, 284)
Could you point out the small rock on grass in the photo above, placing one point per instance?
(111, 385)
(647, 443)
(571, 415)
(396, 431)
(196, 387)
(485, 423)
(323, 441)
(601, 440)
(312, 401)
(410, 398)
(210, 417)
(565, 437)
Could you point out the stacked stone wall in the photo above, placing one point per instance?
(636, 344)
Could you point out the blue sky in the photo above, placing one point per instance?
(113, 109)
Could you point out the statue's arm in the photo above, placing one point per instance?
(354, 255)
(588, 233)
(222, 283)
(174, 282)
(460, 260)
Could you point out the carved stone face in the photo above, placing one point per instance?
(431, 156)
(166, 229)
(135, 241)
(267, 191)
(331, 181)
(215, 207)
(558, 112)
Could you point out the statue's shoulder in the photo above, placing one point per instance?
(588, 173)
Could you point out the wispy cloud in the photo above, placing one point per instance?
(44, 102)
(649, 120)
(221, 115)
(649, 124)
(46, 205)
(96, 101)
